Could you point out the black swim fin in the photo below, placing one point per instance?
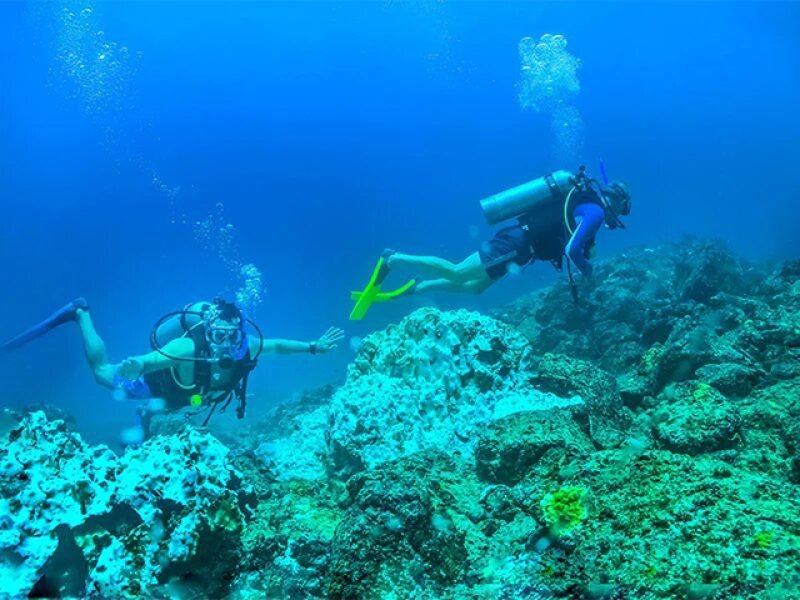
(63, 315)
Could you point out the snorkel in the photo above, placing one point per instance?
(603, 172)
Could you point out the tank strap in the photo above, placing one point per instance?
(552, 185)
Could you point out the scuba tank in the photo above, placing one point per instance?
(545, 196)
(543, 209)
(178, 324)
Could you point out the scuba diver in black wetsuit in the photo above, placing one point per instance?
(558, 217)
(201, 356)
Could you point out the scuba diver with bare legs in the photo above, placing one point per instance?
(201, 356)
(557, 215)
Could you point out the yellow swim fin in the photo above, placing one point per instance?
(385, 296)
(367, 296)
(372, 293)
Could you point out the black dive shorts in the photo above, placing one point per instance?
(509, 245)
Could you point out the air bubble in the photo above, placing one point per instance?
(98, 71)
(549, 83)
(249, 294)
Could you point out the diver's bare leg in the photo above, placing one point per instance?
(469, 269)
(474, 286)
(95, 350)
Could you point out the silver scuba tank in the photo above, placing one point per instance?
(180, 323)
(548, 193)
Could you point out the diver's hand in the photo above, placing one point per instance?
(130, 368)
(330, 340)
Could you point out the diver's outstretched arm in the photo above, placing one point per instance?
(108, 375)
(170, 355)
(326, 343)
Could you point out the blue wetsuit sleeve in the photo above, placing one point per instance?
(589, 217)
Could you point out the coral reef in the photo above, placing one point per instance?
(644, 443)
(78, 520)
(432, 381)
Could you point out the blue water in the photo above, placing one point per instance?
(329, 131)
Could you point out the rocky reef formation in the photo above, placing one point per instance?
(77, 520)
(651, 450)
(433, 382)
(643, 443)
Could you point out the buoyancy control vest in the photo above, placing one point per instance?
(544, 208)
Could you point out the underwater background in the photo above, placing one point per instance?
(306, 137)
(644, 442)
